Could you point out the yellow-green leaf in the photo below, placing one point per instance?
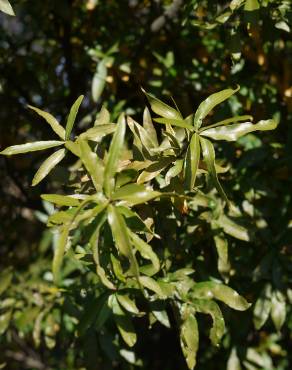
(161, 108)
(96, 133)
(192, 161)
(51, 120)
(114, 156)
(48, 165)
(189, 339)
(135, 194)
(207, 105)
(6, 7)
(72, 116)
(30, 147)
(61, 200)
(175, 122)
(127, 303)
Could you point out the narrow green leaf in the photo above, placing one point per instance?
(278, 309)
(227, 121)
(154, 169)
(30, 147)
(72, 116)
(207, 105)
(61, 200)
(6, 7)
(162, 290)
(211, 308)
(99, 79)
(189, 339)
(73, 147)
(149, 127)
(161, 108)
(92, 164)
(114, 156)
(233, 228)
(223, 264)
(121, 237)
(159, 312)
(233, 132)
(209, 158)
(103, 117)
(175, 122)
(192, 161)
(146, 252)
(47, 166)
(211, 290)
(51, 120)
(127, 303)
(174, 171)
(94, 242)
(59, 251)
(96, 133)
(135, 194)
(117, 268)
(123, 323)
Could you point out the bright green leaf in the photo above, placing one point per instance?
(30, 147)
(175, 122)
(47, 166)
(72, 116)
(61, 200)
(189, 339)
(161, 108)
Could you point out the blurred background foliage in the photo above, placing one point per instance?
(55, 50)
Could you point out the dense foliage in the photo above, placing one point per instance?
(141, 236)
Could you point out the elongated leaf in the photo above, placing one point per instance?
(114, 156)
(51, 120)
(192, 161)
(123, 323)
(233, 132)
(72, 116)
(6, 7)
(211, 308)
(135, 194)
(5, 279)
(92, 164)
(103, 117)
(127, 303)
(159, 312)
(227, 121)
(141, 134)
(99, 79)
(59, 251)
(233, 228)
(209, 158)
(154, 169)
(48, 165)
(5, 321)
(207, 105)
(94, 242)
(121, 238)
(212, 290)
(233, 362)
(96, 133)
(189, 339)
(61, 200)
(73, 146)
(175, 122)
(223, 264)
(149, 127)
(162, 290)
(117, 268)
(161, 108)
(146, 252)
(30, 147)
(262, 307)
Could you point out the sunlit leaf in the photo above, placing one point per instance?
(99, 79)
(251, 5)
(61, 200)
(149, 127)
(227, 121)
(278, 309)
(6, 7)
(234, 132)
(262, 307)
(51, 120)
(127, 303)
(175, 122)
(212, 290)
(47, 166)
(72, 116)
(30, 147)
(114, 156)
(96, 133)
(135, 194)
(161, 108)
(207, 105)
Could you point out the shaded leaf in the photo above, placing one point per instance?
(262, 307)
(99, 79)
(127, 303)
(149, 127)
(209, 158)
(278, 309)
(192, 161)
(47, 166)
(5, 279)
